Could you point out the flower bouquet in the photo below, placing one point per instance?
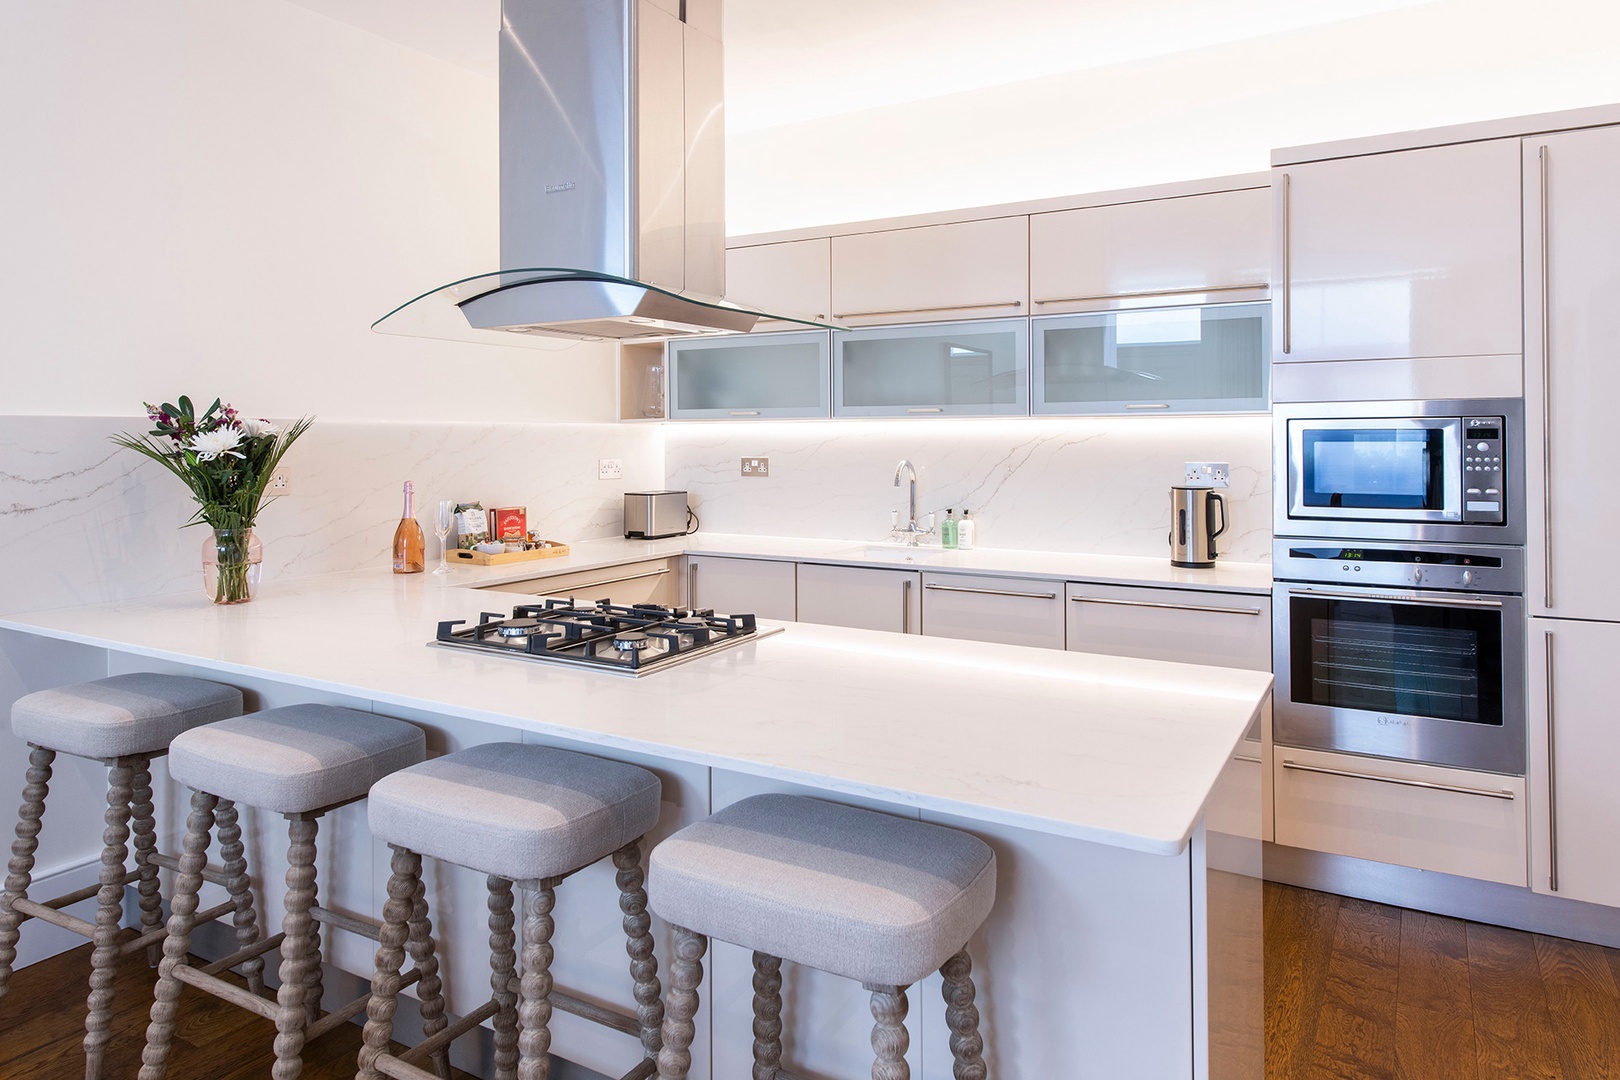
(226, 460)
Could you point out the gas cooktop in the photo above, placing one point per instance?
(624, 639)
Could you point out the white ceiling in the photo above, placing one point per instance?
(795, 60)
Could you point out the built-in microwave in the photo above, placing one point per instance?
(1405, 470)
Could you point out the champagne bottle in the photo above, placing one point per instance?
(409, 547)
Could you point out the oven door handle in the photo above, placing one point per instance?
(1395, 598)
(1454, 788)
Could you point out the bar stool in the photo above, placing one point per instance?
(878, 899)
(299, 761)
(124, 722)
(526, 815)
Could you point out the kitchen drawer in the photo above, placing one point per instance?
(764, 587)
(653, 581)
(964, 270)
(862, 597)
(1182, 625)
(1016, 611)
(1448, 820)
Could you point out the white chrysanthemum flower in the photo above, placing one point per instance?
(208, 445)
(253, 429)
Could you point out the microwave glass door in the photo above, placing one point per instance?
(1380, 470)
(1382, 656)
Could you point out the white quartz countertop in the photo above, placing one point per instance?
(1117, 751)
(1235, 577)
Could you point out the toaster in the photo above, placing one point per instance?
(651, 515)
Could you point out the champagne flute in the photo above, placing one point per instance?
(442, 524)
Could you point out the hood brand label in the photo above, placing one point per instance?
(557, 189)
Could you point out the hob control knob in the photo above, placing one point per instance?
(1417, 575)
(1468, 577)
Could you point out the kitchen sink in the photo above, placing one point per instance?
(895, 553)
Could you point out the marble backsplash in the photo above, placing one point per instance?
(1085, 484)
(82, 521)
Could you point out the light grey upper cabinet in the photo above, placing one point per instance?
(772, 376)
(1205, 359)
(949, 369)
(1412, 254)
(932, 273)
(790, 278)
(1212, 247)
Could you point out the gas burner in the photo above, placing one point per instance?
(628, 639)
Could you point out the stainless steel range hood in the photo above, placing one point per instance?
(612, 181)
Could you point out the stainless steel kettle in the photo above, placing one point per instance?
(1193, 526)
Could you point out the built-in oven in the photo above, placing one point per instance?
(1446, 471)
(1413, 652)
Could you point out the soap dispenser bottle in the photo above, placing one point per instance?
(947, 529)
(964, 531)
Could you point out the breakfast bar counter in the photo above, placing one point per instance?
(1125, 937)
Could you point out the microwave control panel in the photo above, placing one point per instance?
(1484, 470)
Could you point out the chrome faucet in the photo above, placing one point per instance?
(911, 527)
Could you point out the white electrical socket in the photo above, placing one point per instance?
(609, 468)
(280, 483)
(1211, 474)
(755, 466)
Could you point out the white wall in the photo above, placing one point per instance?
(219, 199)
(1166, 116)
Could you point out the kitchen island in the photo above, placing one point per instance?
(1125, 938)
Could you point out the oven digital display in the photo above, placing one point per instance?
(1374, 468)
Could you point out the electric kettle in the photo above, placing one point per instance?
(1193, 526)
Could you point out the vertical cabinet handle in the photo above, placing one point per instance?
(1546, 390)
(1287, 270)
(691, 583)
(1552, 775)
(905, 606)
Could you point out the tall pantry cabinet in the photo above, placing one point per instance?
(1572, 382)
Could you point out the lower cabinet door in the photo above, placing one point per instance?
(1182, 625)
(1016, 611)
(1449, 820)
(655, 581)
(864, 598)
(763, 587)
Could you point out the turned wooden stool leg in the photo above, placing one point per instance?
(183, 910)
(889, 1036)
(386, 980)
(767, 1016)
(109, 914)
(534, 1010)
(240, 888)
(19, 871)
(502, 972)
(639, 944)
(143, 822)
(430, 989)
(962, 1018)
(685, 974)
(301, 940)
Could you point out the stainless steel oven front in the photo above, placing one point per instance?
(1445, 471)
(1401, 651)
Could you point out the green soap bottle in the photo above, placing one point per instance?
(947, 529)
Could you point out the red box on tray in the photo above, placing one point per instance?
(509, 523)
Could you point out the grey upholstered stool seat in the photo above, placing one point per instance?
(883, 900)
(527, 815)
(300, 761)
(124, 721)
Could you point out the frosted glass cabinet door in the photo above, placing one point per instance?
(944, 369)
(1205, 359)
(775, 375)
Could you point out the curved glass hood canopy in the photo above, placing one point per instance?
(537, 305)
(612, 168)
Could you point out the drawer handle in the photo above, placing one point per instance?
(992, 592)
(617, 580)
(1129, 295)
(1161, 604)
(1250, 758)
(926, 310)
(1486, 792)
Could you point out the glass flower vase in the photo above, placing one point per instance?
(232, 563)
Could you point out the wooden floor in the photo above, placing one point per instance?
(1356, 989)
(42, 1029)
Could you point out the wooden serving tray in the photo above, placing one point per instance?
(478, 558)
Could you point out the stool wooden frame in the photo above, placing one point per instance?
(296, 1010)
(521, 1006)
(890, 1040)
(129, 807)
